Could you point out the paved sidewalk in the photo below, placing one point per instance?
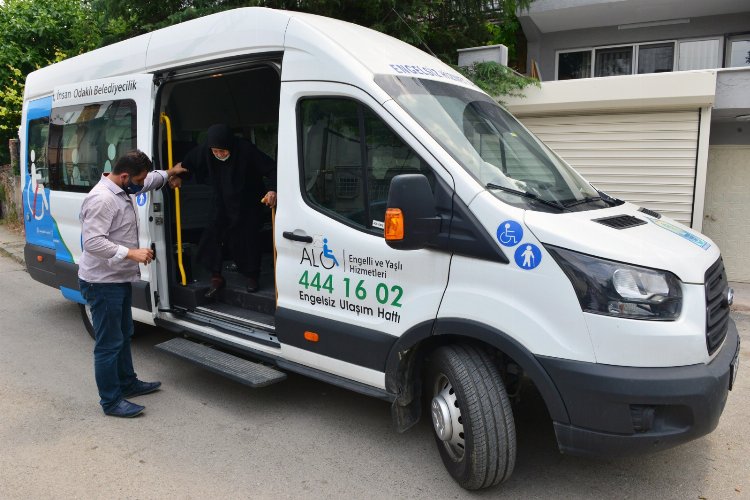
(12, 243)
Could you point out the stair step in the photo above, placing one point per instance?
(238, 369)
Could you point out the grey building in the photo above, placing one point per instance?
(650, 100)
(571, 39)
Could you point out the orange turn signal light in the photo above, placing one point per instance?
(394, 224)
(39, 258)
(311, 336)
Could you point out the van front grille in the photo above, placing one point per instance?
(717, 306)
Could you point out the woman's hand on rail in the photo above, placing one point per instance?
(175, 175)
(269, 199)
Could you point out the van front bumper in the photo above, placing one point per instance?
(617, 411)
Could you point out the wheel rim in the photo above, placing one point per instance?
(446, 418)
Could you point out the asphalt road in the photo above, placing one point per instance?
(203, 436)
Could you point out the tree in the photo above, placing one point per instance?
(33, 34)
(440, 26)
(437, 26)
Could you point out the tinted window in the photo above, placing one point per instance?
(86, 140)
(656, 58)
(615, 61)
(349, 156)
(573, 65)
(36, 163)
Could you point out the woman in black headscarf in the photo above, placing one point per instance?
(234, 167)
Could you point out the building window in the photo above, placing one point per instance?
(614, 61)
(699, 54)
(738, 51)
(656, 58)
(572, 65)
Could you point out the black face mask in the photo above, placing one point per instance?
(133, 188)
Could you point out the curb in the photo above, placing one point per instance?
(6, 253)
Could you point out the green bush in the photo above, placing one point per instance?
(497, 80)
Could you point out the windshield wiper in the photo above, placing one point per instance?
(526, 194)
(587, 199)
(609, 199)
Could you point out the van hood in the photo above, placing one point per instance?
(625, 234)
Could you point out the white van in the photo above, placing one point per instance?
(426, 249)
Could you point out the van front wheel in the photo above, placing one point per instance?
(471, 416)
(87, 319)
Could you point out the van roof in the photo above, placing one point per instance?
(314, 47)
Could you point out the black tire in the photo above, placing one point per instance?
(488, 440)
(86, 321)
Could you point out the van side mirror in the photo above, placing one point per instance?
(411, 219)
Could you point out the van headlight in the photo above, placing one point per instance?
(617, 289)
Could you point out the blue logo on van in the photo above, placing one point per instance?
(141, 199)
(328, 253)
(509, 233)
(528, 256)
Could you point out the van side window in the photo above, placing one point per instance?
(349, 156)
(85, 141)
(37, 149)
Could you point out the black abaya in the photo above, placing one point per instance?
(236, 211)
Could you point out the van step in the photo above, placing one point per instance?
(238, 369)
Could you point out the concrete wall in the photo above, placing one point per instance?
(655, 91)
(732, 100)
(542, 47)
(730, 134)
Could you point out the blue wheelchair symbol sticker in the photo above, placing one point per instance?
(528, 256)
(509, 233)
(141, 199)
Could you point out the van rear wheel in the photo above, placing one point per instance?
(87, 319)
(471, 416)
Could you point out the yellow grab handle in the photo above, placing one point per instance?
(181, 266)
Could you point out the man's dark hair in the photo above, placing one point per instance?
(133, 162)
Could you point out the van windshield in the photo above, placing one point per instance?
(492, 145)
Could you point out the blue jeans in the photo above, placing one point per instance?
(113, 325)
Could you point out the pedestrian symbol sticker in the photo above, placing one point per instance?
(509, 233)
(141, 199)
(528, 256)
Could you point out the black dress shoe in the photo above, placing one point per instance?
(125, 409)
(252, 285)
(139, 388)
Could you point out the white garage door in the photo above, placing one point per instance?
(727, 198)
(645, 158)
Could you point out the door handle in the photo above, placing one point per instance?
(297, 237)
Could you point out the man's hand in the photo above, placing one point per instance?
(177, 170)
(175, 182)
(141, 255)
(269, 199)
